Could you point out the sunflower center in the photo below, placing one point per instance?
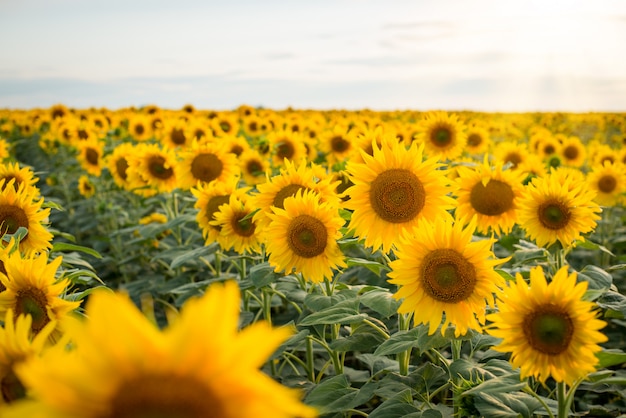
(607, 184)
(139, 129)
(397, 195)
(121, 165)
(570, 152)
(11, 218)
(254, 168)
(548, 330)
(492, 199)
(243, 226)
(441, 137)
(338, 144)
(236, 149)
(156, 164)
(474, 140)
(307, 236)
(177, 136)
(285, 149)
(553, 214)
(514, 158)
(213, 205)
(285, 192)
(82, 134)
(91, 155)
(206, 167)
(32, 301)
(168, 396)
(447, 276)
(12, 388)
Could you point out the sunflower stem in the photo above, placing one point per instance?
(404, 357)
(267, 306)
(532, 393)
(456, 346)
(310, 367)
(562, 400)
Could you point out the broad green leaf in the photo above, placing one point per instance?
(66, 246)
(192, 255)
(610, 358)
(343, 313)
(381, 301)
(398, 406)
(373, 266)
(332, 395)
(596, 277)
(262, 275)
(399, 342)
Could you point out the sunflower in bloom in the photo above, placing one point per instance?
(204, 163)
(302, 237)
(490, 194)
(253, 166)
(548, 328)
(392, 189)
(90, 155)
(117, 163)
(337, 144)
(145, 371)
(557, 208)
(32, 288)
(140, 127)
(85, 186)
(237, 227)
(609, 182)
(443, 135)
(285, 144)
(512, 153)
(22, 209)
(173, 134)
(442, 273)
(153, 166)
(21, 175)
(17, 346)
(478, 140)
(573, 151)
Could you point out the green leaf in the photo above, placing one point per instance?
(397, 406)
(342, 313)
(500, 384)
(363, 338)
(509, 405)
(262, 275)
(66, 246)
(399, 342)
(589, 245)
(332, 395)
(614, 303)
(610, 358)
(191, 255)
(596, 277)
(318, 302)
(380, 301)
(373, 266)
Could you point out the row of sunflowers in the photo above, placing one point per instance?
(337, 263)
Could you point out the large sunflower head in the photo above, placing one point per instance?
(302, 237)
(392, 189)
(443, 135)
(148, 372)
(609, 182)
(153, 166)
(442, 273)
(555, 208)
(490, 194)
(206, 162)
(548, 328)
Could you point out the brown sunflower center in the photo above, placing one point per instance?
(397, 195)
(32, 301)
(213, 205)
(441, 137)
(338, 144)
(492, 199)
(513, 158)
(11, 218)
(285, 192)
(139, 129)
(168, 396)
(307, 236)
(177, 136)
(548, 329)
(549, 149)
(12, 388)
(236, 149)
(206, 167)
(570, 152)
(92, 156)
(553, 214)
(243, 225)
(121, 165)
(285, 149)
(156, 165)
(447, 276)
(607, 184)
(474, 140)
(254, 168)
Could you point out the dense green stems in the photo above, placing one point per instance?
(456, 346)
(404, 357)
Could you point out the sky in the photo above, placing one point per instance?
(483, 55)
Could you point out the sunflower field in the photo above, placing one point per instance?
(311, 263)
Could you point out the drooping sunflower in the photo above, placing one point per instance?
(609, 182)
(443, 135)
(23, 208)
(32, 288)
(21, 175)
(490, 194)
(392, 189)
(148, 372)
(205, 162)
(90, 155)
(302, 237)
(237, 227)
(555, 208)
(442, 273)
(548, 328)
(85, 186)
(153, 166)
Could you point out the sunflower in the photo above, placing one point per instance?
(303, 236)
(153, 166)
(392, 190)
(253, 166)
(443, 135)
(32, 288)
(573, 151)
(235, 144)
(90, 155)
(287, 145)
(148, 372)
(555, 208)
(548, 328)
(490, 194)
(17, 346)
(205, 162)
(140, 127)
(478, 140)
(86, 187)
(5, 150)
(512, 153)
(441, 272)
(337, 144)
(117, 163)
(22, 209)
(609, 182)
(225, 123)
(236, 225)
(173, 134)
(21, 175)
